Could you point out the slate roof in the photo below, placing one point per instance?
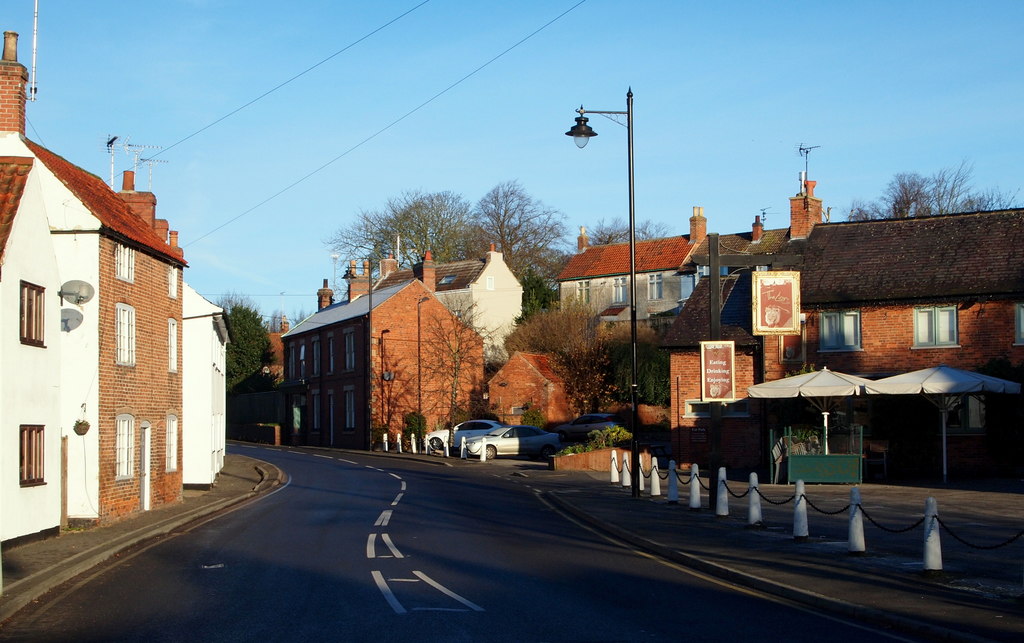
(104, 203)
(771, 242)
(693, 325)
(652, 255)
(462, 273)
(14, 172)
(974, 254)
(343, 311)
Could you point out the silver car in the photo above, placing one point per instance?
(436, 439)
(520, 439)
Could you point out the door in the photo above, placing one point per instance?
(144, 467)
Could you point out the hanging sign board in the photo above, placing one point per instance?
(776, 302)
(717, 373)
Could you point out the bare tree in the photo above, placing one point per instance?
(526, 231)
(617, 231)
(454, 361)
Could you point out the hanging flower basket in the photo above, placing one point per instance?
(81, 427)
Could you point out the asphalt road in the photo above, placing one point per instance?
(359, 548)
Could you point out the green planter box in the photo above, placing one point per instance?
(825, 468)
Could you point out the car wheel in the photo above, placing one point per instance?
(547, 451)
(492, 452)
(436, 443)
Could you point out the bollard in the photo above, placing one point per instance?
(413, 443)
(932, 545)
(722, 506)
(673, 483)
(856, 545)
(655, 479)
(398, 445)
(615, 467)
(640, 472)
(754, 518)
(385, 442)
(694, 487)
(483, 449)
(800, 514)
(626, 477)
(462, 449)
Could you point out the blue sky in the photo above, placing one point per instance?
(724, 93)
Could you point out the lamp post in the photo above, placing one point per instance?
(581, 134)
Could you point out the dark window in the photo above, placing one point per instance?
(32, 314)
(31, 470)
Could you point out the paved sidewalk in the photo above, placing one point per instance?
(31, 570)
(976, 597)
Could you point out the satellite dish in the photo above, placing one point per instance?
(70, 319)
(76, 292)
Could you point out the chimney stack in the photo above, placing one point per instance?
(285, 326)
(698, 226)
(757, 230)
(358, 284)
(388, 266)
(324, 297)
(13, 79)
(424, 271)
(143, 204)
(582, 241)
(804, 211)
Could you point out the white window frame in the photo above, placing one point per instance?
(316, 356)
(124, 447)
(928, 327)
(620, 290)
(124, 263)
(172, 282)
(330, 354)
(350, 349)
(490, 283)
(655, 286)
(843, 328)
(171, 443)
(583, 291)
(172, 345)
(125, 333)
(316, 409)
(350, 408)
(1018, 335)
(302, 360)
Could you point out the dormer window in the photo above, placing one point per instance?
(446, 280)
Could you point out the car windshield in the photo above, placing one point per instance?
(499, 431)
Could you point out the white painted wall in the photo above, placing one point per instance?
(496, 307)
(204, 342)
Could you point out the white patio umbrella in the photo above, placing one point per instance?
(822, 388)
(943, 386)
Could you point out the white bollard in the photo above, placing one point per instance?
(615, 467)
(462, 449)
(800, 513)
(932, 545)
(413, 443)
(754, 518)
(694, 487)
(722, 506)
(856, 545)
(398, 444)
(673, 483)
(627, 480)
(483, 449)
(640, 472)
(385, 442)
(655, 479)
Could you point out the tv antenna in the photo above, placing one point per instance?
(135, 151)
(112, 145)
(150, 163)
(764, 214)
(805, 151)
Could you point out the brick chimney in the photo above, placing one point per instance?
(804, 211)
(698, 225)
(424, 271)
(756, 230)
(285, 326)
(491, 255)
(324, 297)
(358, 284)
(13, 78)
(388, 266)
(582, 241)
(143, 204)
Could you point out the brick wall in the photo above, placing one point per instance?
(518, 384)
(148, 390)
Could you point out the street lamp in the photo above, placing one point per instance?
(581, 134)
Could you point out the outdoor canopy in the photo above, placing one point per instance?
(944, 386)
(822, 388)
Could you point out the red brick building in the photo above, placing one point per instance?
(878, 298)
(528, 381)
(416, 354)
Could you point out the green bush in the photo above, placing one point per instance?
(534, 417)
(615, 436)
(415, 426)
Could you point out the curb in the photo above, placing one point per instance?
(803, 597)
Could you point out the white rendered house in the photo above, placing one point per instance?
(204, 345)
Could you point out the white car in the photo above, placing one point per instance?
(520, 439)
(436, 439)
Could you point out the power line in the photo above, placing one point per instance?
(386, 127)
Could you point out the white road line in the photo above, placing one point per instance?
(397, 498)
(374, 468)
(439, 609)
(371, 546)
(389, 596)
(347, 461)
(394, 550)
(395, 476)
(317, 455)
(385, 517)
(447, 592)
(403, 485)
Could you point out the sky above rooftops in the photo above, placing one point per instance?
(724, 94)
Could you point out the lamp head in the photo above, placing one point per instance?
(581, 132)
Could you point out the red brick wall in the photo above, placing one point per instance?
(148, 390)
(518, 383)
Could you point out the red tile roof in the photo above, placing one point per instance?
(613, 259)
(543, 365)
(13, 175)
(104, 203)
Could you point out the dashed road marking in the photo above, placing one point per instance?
(384, 519)
(397, 499)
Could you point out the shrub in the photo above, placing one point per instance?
(615, 436)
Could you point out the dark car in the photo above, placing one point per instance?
(584, 424)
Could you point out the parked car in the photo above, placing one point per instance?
(584, 424)
(519, 439)
(435, 439)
